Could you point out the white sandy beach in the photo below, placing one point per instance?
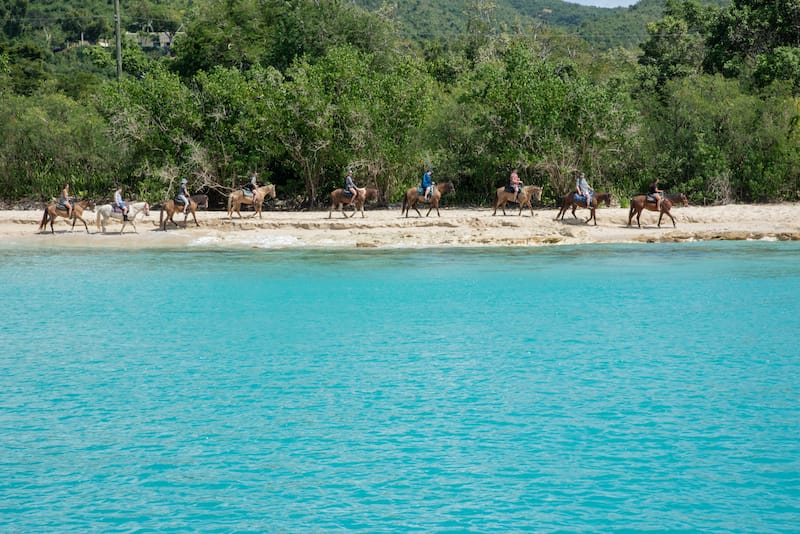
(385, 228)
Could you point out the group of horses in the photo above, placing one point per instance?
(340, 200)
(638, 204)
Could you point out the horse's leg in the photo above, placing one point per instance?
(503, 206)
(673, 220)
(194, 216)
(84, 224)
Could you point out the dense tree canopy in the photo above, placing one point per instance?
(301, 91)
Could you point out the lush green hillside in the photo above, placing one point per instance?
(58, 23)
(601, 28)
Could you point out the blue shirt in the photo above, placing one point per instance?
(426, 180)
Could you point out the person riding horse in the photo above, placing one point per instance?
(427, 184)
(515, 184)
(119, 203)
(656, 194)
(67, 200)
(350, 186)
(183, 196)
(583, 189)
(250, 187)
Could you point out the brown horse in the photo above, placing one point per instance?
(195, 201)
(339, 200)
(524, 198)
(52, 211)
(237, 198)
(413, 197)
(640, 202)
(570, 202)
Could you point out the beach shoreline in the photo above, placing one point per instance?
(386, 228)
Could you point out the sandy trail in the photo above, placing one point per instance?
(385, 228)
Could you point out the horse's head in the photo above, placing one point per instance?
(270, 190)
(448, 187)
(537, 193)
(684, 201)
(146, 209)
(608, 199)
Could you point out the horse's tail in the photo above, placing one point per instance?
(44, 219)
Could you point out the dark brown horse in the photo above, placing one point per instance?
(340, 200)
(237, 198)
(195, 201)
(570, 202)
(640, 203)
(527, 193)
(52, 211)
(413, 197)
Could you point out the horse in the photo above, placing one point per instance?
(339, 200)
(106, 212)
(569, 201)
(524, 198)
(52, 211)
(412, 197)
(237, 198)
(640, 202)
(195, 201)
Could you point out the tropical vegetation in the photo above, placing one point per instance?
(703, 96)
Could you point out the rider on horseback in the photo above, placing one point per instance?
(584, 189)
(427, 184)
(67, 200)
(252, 185)
(118, 202)
(350, 185)
(515, 183)
(183, 194)
(656, 193)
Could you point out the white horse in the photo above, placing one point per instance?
(106, 212)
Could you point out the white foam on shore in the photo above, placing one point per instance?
(261, 242)
(205, 241)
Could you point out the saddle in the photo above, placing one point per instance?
(178, 201)
(651, 198)
(579, 198)
(247, 193)
(510, 189)
(61, 206)
(116, 209)
(347, 194)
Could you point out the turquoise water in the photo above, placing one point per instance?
(593, 388)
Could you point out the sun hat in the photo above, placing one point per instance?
(184, 181)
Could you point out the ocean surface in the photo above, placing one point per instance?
(558, 389)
